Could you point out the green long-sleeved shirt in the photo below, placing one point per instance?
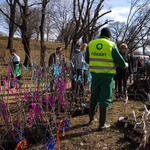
(118, 59)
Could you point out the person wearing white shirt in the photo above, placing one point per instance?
(15, 60)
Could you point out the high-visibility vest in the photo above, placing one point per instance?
(100, 56)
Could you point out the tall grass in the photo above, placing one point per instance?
(34, 48)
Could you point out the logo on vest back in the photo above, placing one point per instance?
(99, 46)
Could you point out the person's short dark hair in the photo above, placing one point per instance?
(58, 48)
(106, 32)
(78, 45)
(13, 50)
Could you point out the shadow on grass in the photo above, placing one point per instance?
(127, 145)
(116, 127)
(77, 126)
(123, 141)
(78, 134)
(141, 109)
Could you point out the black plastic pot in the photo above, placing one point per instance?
(9, 145)
(149, 139)
(122, 123)
(80, 111)
(139, 132)
(74, 113)
(131, 124)
(86, 110)
(134, 142)
(127, 134)
(133, 136)
(148, 106)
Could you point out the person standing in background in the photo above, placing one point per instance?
(139, 65)
(15, 60)
(81, 67)
(133, 64)
(56, 60)
(144, 66)
(122, 74)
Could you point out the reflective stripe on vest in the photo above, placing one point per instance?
(101, 60)
(101, 67)
(100, 57)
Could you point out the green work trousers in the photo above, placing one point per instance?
(101, 89)
(15, 73)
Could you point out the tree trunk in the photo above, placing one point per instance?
(84, 38)
(72, 48)
(10, 38)
(47, 34)
(26, 42)
(25, 38)
(37, 36)
(66, 45)
(11, 25)
(43, 48)
(66, 42)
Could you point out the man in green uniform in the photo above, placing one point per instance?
(15, 60)
(101, 54)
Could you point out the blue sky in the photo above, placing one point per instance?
(120, 9)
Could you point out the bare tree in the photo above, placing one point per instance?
(83, 22)
(47, 27)
(24, 26)
(135, 32)
(35, 22)
(10, 10)
(43, 47)
(65, 34)
(82, 15)
(117, 31)
(62, 19)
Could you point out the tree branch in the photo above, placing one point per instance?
(74, 10)
(9, 18)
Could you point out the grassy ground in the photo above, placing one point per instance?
(35, 51)
(82, 137)
(78, 135)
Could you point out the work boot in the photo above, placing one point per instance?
(102, 120)
(91, 113)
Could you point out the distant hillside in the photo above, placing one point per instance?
(34, 47)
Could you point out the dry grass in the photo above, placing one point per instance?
(81, 137)
(35, 51)
(78, 135)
